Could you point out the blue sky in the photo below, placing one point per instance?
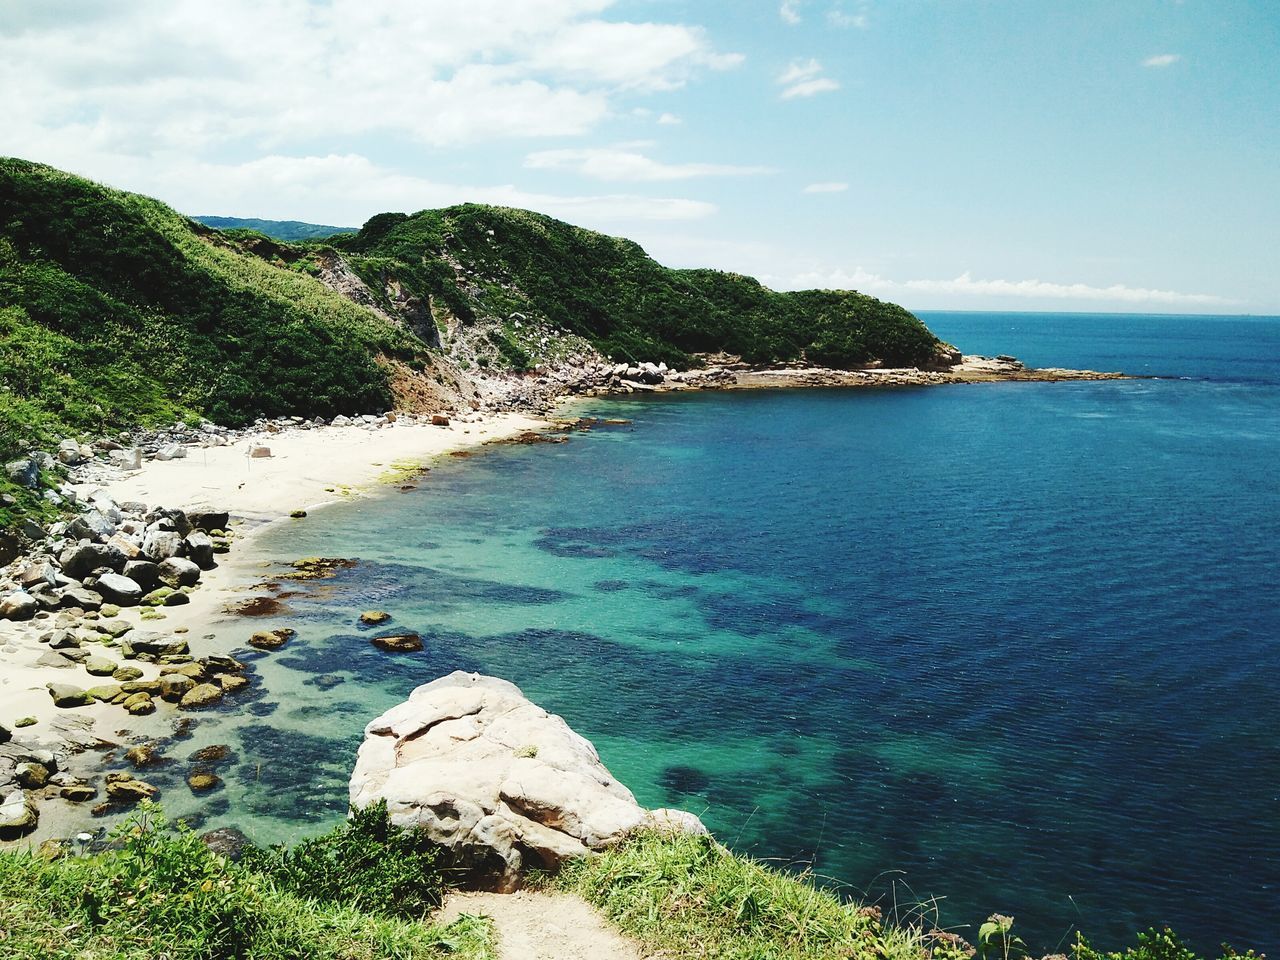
(954, 154)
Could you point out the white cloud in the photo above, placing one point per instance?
(669, 120)
(790, 12)
(827, 187)
(346, 189)
(621, 163)
(859, 19)
(966, 286)
(186, 75)
(1162, 60)
(802, 78)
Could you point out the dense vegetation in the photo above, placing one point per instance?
(290, 231)
(490, 262)
(117, 311)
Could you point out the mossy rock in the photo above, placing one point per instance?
(272, 639)
(374, 617)
(25, 722)
(144, 755)
(202, 781)
(298, 514)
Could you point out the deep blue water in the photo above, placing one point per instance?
(1014, 646)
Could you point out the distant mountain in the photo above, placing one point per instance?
(290, 231)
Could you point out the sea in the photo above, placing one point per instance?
(1009, 647)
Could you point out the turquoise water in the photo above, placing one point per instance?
(1011, 646)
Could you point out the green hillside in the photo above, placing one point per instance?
(290, 231)
(489, 262)
(115, 311)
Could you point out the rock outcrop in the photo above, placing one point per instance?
(496, 778)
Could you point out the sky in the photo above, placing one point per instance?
(1090, 155)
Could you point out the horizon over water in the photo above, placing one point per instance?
(1014, 646)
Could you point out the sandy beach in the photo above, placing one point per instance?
(307, 468)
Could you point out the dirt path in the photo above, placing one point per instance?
(543, 926)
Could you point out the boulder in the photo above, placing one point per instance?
(81, 597)
(272, 639)
(174, 686)
(226, 842)
(439, 420)
(41, 571)
(128, 549)
(201, 695)
(171, 451)
(208, 520)
(199, 549)
(178, 572)
(126, 788)
(155, 645)
(18, 606)
(129, 458)
(143, 572)
(18, 815)
(81, 559)
(494, 777)
(374, 617)
(161, 544)
(73, 454)
(25, 473)
(398, 642)
(66, 695)
(100, 666)
(119, 589)
(31, 776)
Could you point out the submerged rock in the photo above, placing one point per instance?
(398, 643)
(496, 778)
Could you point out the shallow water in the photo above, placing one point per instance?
(1011, 645)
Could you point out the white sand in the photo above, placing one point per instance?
(307, 468)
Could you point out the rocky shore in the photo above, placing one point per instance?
(102, 613)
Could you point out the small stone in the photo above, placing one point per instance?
(114, 629)
(140, 704)
(18, 815)
(144, 755)
(110, 609)
(125, 674)
(272, 639)
(25, 722)
(201, 781)
(216, 753)
(78, 792)
(398, 643)
(101, 666)
(126, 788)
(105, 692)
(298, 514)
(31, 776)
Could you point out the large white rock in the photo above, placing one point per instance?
(483, 770)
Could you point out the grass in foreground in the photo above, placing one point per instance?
(689, 898)
(164, 894)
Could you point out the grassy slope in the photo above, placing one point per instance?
(609, 291)
(688, 898)
(115, 310)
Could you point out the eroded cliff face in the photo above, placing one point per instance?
(493, 776)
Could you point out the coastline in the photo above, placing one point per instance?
(309, 465)
(308, 468)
